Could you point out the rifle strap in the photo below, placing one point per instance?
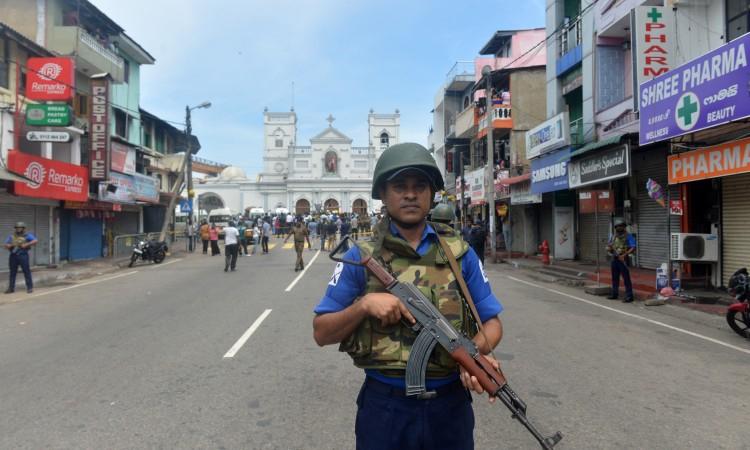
(460, 279)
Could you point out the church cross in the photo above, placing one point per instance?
(330, 120)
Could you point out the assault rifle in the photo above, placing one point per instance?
(433, 328)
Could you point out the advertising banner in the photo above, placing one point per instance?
(146, 188)
(729, 158)
(653, 49)
(548, 135)
(52, 179)
(708, 91)
(475, 179)
(520, 194)
(603, 166)
(50, 79)
(589, 201)
(48, 115)
(121, 189)
(99, 155)
(550, 173)
(123, 158)
(502, 191)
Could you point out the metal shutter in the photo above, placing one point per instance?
(126, 223)
(735, 231)
(41, 230)
(651, 217)
(9, 215)
(587, 236)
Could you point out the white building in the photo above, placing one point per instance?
(329, 174)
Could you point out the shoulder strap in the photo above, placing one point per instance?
(460, 279)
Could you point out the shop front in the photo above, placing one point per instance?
(525, 211)
(549, 178)
(599, 169)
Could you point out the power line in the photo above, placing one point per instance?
(81, 91)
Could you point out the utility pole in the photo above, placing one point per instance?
(189, 175)
(490, 180)
(186, 168)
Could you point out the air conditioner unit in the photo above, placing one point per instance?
(694, 247)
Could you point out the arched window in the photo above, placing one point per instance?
(359, 207)
(331, 162)
(384, 139)
(278, 139)
(302, 207)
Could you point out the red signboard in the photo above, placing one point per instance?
(99, 131)
(51, 179)
(50, 79)
(588, 201)
(123, 158)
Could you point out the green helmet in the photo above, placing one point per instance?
(408, 155)
(443, 213)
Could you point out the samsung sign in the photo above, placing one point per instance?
(547, 136)
(550, 173)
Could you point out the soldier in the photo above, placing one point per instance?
(299, 230)
(443, 213)
(367, 321)
(19, 244)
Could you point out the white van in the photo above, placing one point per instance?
(220, 217)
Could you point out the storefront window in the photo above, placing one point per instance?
(737, 18)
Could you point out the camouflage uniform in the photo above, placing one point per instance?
(300, 234)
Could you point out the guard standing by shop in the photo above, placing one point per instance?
(621, 245)
(19, 244)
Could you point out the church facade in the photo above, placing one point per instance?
(329, 174)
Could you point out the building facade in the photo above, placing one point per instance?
(330, 174)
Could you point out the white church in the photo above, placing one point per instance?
(328, 175)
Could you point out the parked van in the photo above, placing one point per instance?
(220, 217)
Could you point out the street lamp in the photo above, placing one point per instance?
(487, 74)
(189, 166)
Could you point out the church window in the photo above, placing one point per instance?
(360, 164)
(331, 162)
(279, 143)
(301, 164)
(384, 139)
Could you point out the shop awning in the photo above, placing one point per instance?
(514, 180)
(7, 175)
(598, 144)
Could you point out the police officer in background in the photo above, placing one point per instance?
(357, 312)
(621, 245)
(443, 213)
(18, 244)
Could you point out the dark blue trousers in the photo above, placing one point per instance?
(14, 262)
(389, 420)
(620, 268)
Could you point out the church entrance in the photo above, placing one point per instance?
(302, 207)
(359, 207)
(331, 205)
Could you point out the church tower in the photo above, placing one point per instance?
(280, 135)
(383, 131)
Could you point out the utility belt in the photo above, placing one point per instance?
(453, 388)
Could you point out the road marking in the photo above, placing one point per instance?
(82, 284)
(156, 266)
(241, 341)
(636, 316)
(287, 246)
(271, 246)
(291, 285)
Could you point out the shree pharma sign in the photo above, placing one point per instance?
(708, 91)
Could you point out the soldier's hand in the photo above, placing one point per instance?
(470, 382)
(386, 307)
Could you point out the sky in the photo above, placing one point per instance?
(343, 58)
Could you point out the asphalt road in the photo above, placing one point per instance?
(139, 359)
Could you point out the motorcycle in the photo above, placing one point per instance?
(154, 251)
(738, 314)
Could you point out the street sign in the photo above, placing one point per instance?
(186, 205)
(48, 136)
(48, 115)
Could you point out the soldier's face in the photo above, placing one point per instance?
(408, 198)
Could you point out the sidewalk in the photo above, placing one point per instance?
(583, 275)
(71, 272)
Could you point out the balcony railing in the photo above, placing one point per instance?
(576, 131)
(103, 51)
(303, 150)
(360, 150)
(501, 118)
(571, 35)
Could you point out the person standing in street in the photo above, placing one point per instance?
(312, 226)
(256, 237)
(331, 230)
(374, 330)
(18, 244)
(231, 246)
(205, 232)
(265, 234)
(214, 236)
(355, 227)
(301, 234)
(323, 231)
(477, 239)
(241, 229)
(620, 246)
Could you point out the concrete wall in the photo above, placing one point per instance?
(127, 96)
(528, 106)
(21, 16)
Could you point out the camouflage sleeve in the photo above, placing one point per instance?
(488, 306)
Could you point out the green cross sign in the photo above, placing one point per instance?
(654, 15)
(686, 111)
